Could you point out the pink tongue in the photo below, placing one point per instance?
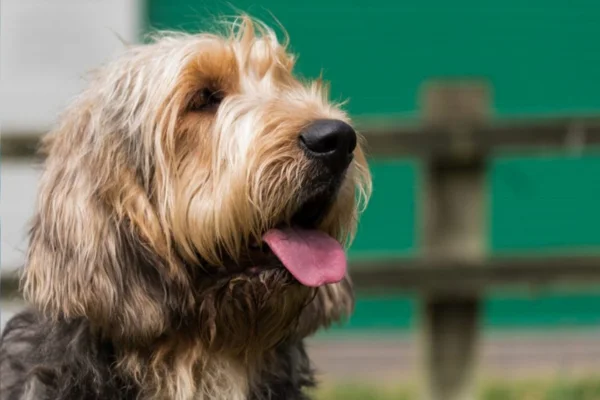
(313, 257)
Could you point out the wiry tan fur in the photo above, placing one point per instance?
(136, 189)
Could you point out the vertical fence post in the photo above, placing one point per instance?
(454, 205)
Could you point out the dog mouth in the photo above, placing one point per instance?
(311, 256)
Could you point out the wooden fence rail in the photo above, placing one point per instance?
(421, 140)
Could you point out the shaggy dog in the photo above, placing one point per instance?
(189, 229)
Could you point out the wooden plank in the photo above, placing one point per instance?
(530, 135)
(19, 145)
(453, 221)
(451, 332)
(445, 275)
(437, 141)
(9, 287)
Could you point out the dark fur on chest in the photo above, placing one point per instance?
(40, 360)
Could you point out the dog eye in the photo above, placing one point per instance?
(205, 100)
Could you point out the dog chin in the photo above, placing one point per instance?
(247, 312)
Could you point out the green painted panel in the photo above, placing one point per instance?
(388, 225)
(382, 313)
(545, 203)
(541, 55)
(570, 309)
(501, 311)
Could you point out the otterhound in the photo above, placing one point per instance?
(190, 228)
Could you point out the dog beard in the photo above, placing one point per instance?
(251, 313)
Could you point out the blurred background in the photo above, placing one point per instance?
(529, 331)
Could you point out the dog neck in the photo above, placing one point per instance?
(178, 369)
(220, 379)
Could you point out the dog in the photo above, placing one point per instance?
(190, 227)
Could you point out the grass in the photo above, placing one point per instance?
(363, 392)
(574, 389)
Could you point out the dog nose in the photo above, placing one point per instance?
(329, 140)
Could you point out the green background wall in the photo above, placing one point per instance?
(542, 58)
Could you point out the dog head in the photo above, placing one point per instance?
(198, 186)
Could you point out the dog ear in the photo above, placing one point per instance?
(96, 247)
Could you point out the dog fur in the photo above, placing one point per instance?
(157, 179)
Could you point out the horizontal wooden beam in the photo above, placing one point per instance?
(454, 276)
(9, 286)
(19, 145)
(443, 275)
(438, 141)
(469, 142)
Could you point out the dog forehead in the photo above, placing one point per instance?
(235, 65)
(214, 61)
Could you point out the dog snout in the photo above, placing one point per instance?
(331, 141)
